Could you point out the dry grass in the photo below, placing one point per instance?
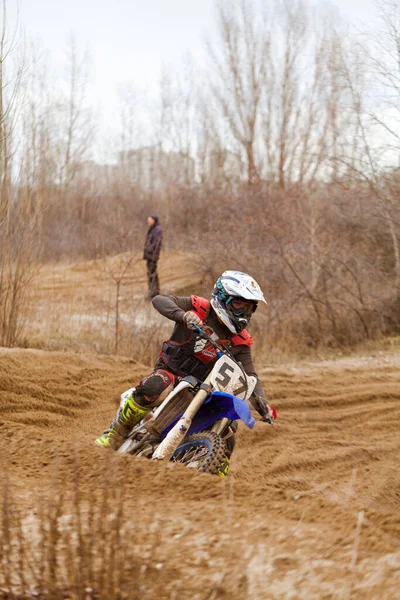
(90, 539)
(73, 306)
(71, 548)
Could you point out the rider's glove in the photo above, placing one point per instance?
(264, 409)
(268, 415)
(192, 321)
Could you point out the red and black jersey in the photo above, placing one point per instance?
(186, 349)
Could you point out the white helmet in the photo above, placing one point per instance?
(235, 298)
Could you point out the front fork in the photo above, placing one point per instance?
(177, 434)
(226, 429)
(220, 426)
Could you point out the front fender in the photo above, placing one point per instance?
(218, 406)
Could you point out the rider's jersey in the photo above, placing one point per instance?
(185, 353)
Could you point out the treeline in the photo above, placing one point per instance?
(278, 159)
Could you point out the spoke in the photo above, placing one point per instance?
(191, 454)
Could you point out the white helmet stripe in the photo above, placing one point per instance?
(240, 284)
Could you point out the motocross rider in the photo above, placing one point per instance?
(234, 300)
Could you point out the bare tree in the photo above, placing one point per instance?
(376, 124)
(117, 269)
(386, 60)
(277, 95)
(11, 76)
(385, 56)
(72, 123)
(240, 62)
(19, 218)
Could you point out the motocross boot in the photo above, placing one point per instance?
(224, 467)
(128, 415)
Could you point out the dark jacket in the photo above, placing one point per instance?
(174, 308)
(152, 246)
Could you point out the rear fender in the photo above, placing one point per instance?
(218, 406)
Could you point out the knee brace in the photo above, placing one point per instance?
(151, 387)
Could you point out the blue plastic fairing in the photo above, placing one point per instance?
(218, 406)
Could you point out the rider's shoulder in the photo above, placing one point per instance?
(242, 339)
(200, 304)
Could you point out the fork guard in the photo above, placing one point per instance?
(217, 406)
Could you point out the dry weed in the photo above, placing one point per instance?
(72, 547)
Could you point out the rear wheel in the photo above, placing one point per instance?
(205, 452)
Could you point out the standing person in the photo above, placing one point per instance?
(151, 254)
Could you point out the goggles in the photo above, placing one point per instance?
(240, 307)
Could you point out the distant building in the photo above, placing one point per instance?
(152, 168)
(223, 166)
(93, 172)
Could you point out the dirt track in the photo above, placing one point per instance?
(282, 525)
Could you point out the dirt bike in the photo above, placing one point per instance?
(195, 423)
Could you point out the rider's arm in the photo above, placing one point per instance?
(172, 307)
(258, 398)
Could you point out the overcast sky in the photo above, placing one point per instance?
(133, 37)
(129, 40)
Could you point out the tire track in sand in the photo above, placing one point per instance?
(281, 525)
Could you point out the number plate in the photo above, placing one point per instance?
(228, 377)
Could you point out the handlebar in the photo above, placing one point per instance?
(209, 334)
(268, 420)
(211, 337)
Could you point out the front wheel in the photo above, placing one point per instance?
(205, 451)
